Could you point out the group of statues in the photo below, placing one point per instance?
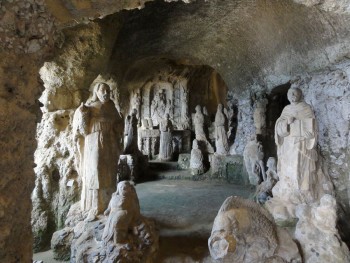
(296, 178)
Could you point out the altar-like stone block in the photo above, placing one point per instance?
(230, 168)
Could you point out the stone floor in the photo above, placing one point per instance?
(184, 211)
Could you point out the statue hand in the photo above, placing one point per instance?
(308, 135)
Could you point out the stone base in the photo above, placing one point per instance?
(83, 242)
(184, 161)
(230, 168)
(282, 211)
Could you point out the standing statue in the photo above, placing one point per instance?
(166, 146)
(296, 139)
(95, 124)
(196, 161)
(301, 179)
(260, 114)
(130, 132)
(222, 146)
(136, 103)
(123, 212)
(158, 107)
(199, 130)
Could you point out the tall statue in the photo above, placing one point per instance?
(199, 122)
(301, 179)
(166, 146)
(296, 139)
(222, 147)
(123, 212)
(130, 133)
(95, 125)
(260, 113)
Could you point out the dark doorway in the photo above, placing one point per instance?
(277, 101)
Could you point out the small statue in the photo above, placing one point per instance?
(166, 147)
(264, 190)
(95, 126)
(196, 161)
(253, 156)
(130, 133)
(123, 212)
(222, 147)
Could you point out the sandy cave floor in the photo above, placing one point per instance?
(184, 211)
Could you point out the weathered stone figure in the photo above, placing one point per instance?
(96, 122)
(244, 232)
(253, 155)
(158, 107)
(199, 122)
(222, 146)
(196, 161)
(264, 190)
(296, 139)
(130, 133)
(166, 146)
(123, 212)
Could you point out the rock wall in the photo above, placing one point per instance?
(27, 33)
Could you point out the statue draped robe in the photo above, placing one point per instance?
(297, 155)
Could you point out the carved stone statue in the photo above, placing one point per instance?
(222, 147)
(123, 211)
(199, 130)
(166, 146)
(296, 139)
(260, 114)
(300, 178)
(253, 156)
(130, 132)
(136, 103)
(158, 107)
(264, 190)
(96, 125)
(244, 232)
(196, 161)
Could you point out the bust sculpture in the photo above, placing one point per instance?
(222, 147)
(166, 147)
(95, 126)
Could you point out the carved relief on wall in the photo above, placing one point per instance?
(163, 96)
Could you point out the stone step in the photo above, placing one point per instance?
(163, 166)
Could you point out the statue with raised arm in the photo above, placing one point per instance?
(95, 126)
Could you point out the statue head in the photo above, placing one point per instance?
(102, 92)
(219, 107)
(198, 108)
(294, 95)
(134, 111)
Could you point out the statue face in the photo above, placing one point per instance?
(103, 93)
(294, 95)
